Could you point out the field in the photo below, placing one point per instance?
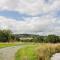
(2, 45)
(43, 51)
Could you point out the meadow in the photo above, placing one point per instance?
(38, 51)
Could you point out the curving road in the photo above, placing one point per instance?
(8, 53)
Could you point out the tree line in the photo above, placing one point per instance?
(47, 39)
(8, 36)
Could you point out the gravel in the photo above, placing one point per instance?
(8, 53)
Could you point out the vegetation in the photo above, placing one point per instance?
(2, 45)
(45, 51)
(38, 39)
(8, 36)
(38, 52)
(52, 39)
(26, 53)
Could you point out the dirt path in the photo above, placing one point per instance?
(56, 56)
(8, 53)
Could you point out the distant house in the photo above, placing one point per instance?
(25, 38)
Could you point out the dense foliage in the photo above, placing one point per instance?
(42, 39)
(8, 36)
(52, 39)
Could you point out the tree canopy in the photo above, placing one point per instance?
(5, 35)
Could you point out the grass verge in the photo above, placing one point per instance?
(26, 53)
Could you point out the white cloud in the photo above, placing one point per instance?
(30, 6)
(45, 24)
(32, 25)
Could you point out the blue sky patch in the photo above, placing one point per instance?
(14, 15)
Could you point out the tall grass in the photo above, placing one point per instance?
(45, 51)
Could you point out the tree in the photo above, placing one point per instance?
(38, 39)
(52, 39)
(5, 35)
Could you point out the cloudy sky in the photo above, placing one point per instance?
(30, 16)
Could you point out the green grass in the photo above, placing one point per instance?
(6, 44)
(42, 51)
(26, 53)
(2, 45)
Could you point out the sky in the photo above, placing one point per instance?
(30, 16)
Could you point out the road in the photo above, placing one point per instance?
(8, 53)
